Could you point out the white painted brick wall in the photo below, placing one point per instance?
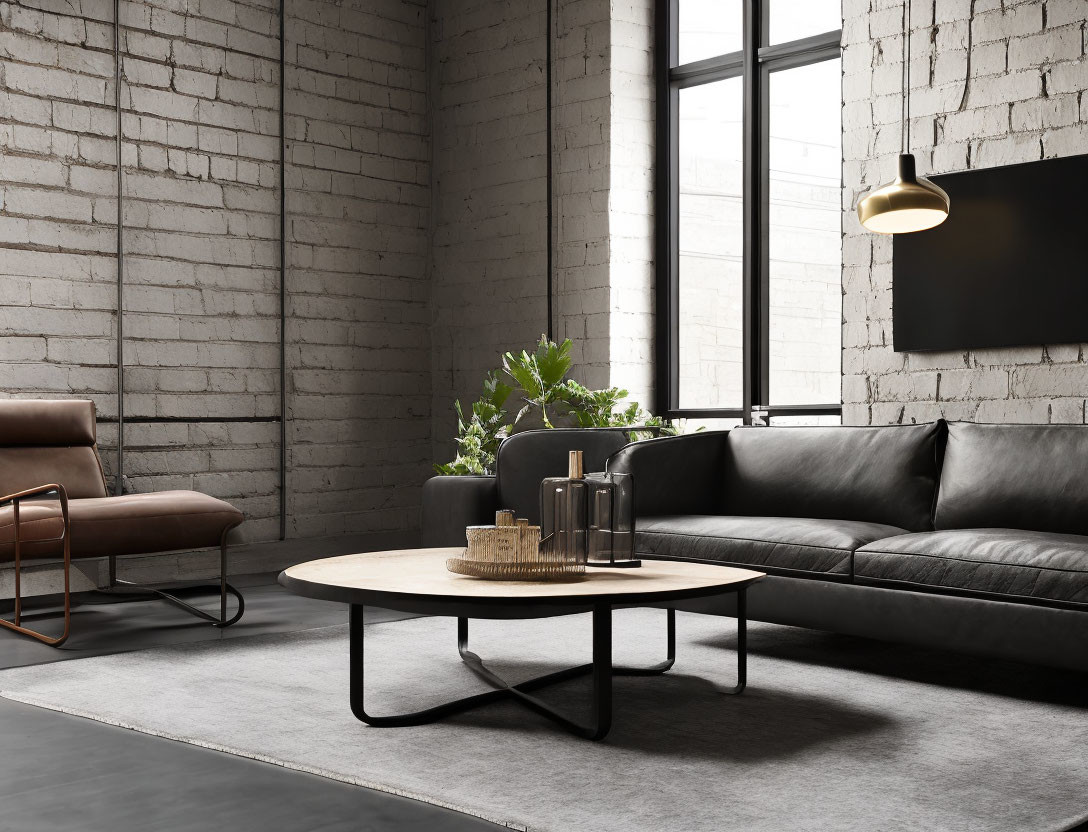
(631, 201)
(390, 317)
(1025, 101)
(57, 203)
(489, 255)
(358, 318)
(488, 269)
(200, 151)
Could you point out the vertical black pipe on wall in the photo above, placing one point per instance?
(283, 281)
(119, 474)
(119, 477)
(548, 131)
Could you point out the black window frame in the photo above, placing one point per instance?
(753, 64)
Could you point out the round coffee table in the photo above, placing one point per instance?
(416, 580)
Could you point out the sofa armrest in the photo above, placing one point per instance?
(675, 474)
(452, 503)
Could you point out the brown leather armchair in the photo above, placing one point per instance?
(57, 507)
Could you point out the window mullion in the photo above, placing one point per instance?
(752, 302)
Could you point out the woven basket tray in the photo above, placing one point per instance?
(511, 571)
(512, 551)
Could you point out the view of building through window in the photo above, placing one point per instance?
(711, 245)
(805, 241)
(800, 149)
(708, 28)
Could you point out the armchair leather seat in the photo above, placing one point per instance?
(790, 545)
(40, 525)
(1007, 564)
(48, 456)
(126, 525)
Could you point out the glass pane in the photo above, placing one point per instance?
(805, 237)
(708, 28)
(806, 421)
(793, 19)
(711, 245)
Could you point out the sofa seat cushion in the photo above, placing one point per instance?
(132, 524)
(1010, 564)
(784, 544)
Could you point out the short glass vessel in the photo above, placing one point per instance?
(611, 533)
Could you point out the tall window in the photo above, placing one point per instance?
(749, 177)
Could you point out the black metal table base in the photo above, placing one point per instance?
(128, 588)
(601, 669)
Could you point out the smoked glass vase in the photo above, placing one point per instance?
(564, 513)
(611, 532)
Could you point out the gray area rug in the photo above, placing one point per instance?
(806, 747)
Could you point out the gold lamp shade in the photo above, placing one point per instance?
(910, 203)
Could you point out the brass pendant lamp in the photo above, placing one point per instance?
(911, 202)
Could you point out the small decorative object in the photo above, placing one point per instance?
(511, 551)
(612, 520)
(564, 513)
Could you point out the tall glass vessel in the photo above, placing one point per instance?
(564, 513)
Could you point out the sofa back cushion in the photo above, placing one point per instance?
(44, 441)
(875, 474)
(675, 474)
(527, 458)
(1015, 477)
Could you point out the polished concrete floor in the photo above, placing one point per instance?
(60, 773)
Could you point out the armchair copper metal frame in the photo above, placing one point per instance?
(66, 537)
(116, 585)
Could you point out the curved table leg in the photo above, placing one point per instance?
(670, 656)
(742, 644)
(356, 687)
(472, 659)
(601, 668)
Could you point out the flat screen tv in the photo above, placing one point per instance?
(1008, 267)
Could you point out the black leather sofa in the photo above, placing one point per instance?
(971, 537)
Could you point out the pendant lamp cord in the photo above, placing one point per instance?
(905, 141)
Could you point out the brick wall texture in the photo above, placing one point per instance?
(415, 241)
(489, 254)
(416, 236)
(200, 162)
(489, 191)
(1003, 87)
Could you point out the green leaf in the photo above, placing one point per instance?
(539, 381)
(496, 392)
(522, 369)
(553, 362)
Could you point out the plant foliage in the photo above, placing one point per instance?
(539, 381)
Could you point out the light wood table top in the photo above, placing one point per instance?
(417, 580)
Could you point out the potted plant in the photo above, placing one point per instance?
(538, 385)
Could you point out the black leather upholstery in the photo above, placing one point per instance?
(790, 544)
(527, 458)
(1010, 563)
(1015, 476)
(452, 503)
(846, 515)
(675, 474)
(884, 475)
(1021, 632)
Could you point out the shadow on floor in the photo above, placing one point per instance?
(915, 664)
(101, 626)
